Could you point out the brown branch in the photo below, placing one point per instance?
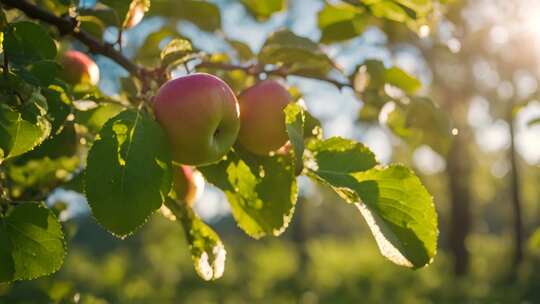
(69, 26)
(255, 70)
(515, 185)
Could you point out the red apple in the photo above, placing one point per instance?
(262, 120)
(78, 68)
(199, 113)
(188, 184)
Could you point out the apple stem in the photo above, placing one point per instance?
(186, 67)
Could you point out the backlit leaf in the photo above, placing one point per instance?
(262, 10)
(262, 191)
(128, 172)
(31, 243)
(294, 119)
(176, 52)
(18, 135)
(207, 250)
(341, 22)
(298, 54)
(396, 206)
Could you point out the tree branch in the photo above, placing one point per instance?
(69, 26)
(255, 70)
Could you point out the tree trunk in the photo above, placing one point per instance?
(299, 235)
(515, 194)
(458, 170)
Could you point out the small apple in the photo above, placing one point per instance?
(188, 184)
(262, 120)
(78, 68)
(200, 115)
(135, 14)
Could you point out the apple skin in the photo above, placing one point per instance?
(188, 184)
(200, 115)
(262, 120)
(78, 68)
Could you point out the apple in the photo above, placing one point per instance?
(262, 120)
(200, 115)
(78, 68)
(188, 184)
(135, 14)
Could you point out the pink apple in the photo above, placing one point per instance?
(78, 68)
(188, 184)
(200, 115)
(262, 120)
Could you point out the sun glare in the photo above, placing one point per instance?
(528, 19)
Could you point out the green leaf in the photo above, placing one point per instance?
(207, 250)
(176, 52)
(534, 240)
(421, 7)
(124, 7)
(534, 121)
(18, 135)
(262, 10)
(370, 75)
(341, 22)
(389, 10)
(131, 18)
(25, 42)
(401, 79)
(93, 25)
(421, 121)
(400, 213)
(59, 104)
(149, 52)
(43, 72)
(298, 54)
(41, 175)
(312, 127)
(204, 14)
(332, 161)
(340, 155)
(63, 143)
(128, 172)
(243, 50)
(97, 116)
(294, 119)
(395, 204)
(106, 16)
(262, 191)
(120, 7)
(31, 243)
(373, 75)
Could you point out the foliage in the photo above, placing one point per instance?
(338, 268)
(109, 146)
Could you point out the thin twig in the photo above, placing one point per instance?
(256, 70)
(119, 39)
(69, 26)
